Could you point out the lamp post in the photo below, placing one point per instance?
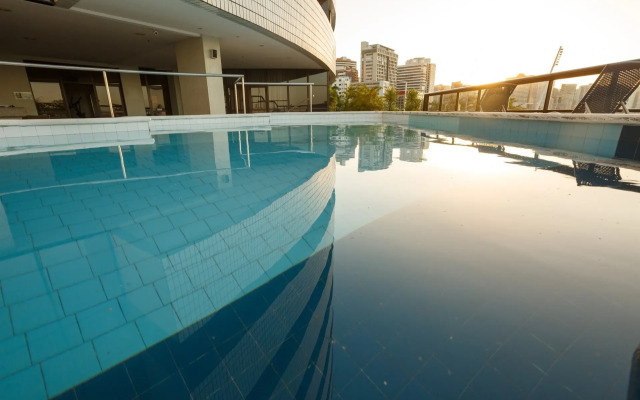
(557, 60)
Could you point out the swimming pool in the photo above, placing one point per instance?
(343, 262)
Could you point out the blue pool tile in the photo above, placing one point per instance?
(440, 381)
(106, 261)
(386, 375)
(100, 319)
(68, 395)
(206, 210)
(129, 234)
(14, 355)
(159, 324)
(256, 249)
(118, 345)
(172, 388)
(491, 384)
(150, 367)
(23, 287)
(95, 243)
(121, 281)
(170, 240)
(139, 302)
(240, 214)
(54, 338)
(250, 277)
(117, 220)
(300, 251)
(46, 238)
(206, 372)
(77, 216)
(145, 214)
(43, 224)
(219, 222)
(523, 373)
(66, 207)
(224, 324)
(152, 269)
(195, 231)
(361, 387)
(13, 387)
(6, 329)
(70, 273)
(182, 218)
(173, 287)
(230, 260)
(59, 253)
(107, 211)
(193, 307)
(36, 312)
(70, 368)
(112, 384)
(188, 347)
(34, 213)
(86, 228)
(82, 295)
(157, 225)
(223, 291)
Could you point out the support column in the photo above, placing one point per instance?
(200, 95)
(132, 92)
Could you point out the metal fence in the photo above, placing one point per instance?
(545, 93)
(240, 81)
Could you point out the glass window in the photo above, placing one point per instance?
(449, 102)
(528, 97)
(48, 98)
(319, 79)
(116, 100)
(433, 103)
(278, 98)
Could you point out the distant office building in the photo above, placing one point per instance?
(582, 90)
(418, 74)
(378, 63)
(347, 67)
(530, 96)
(457, 85)
(341, 84)
(563, 98)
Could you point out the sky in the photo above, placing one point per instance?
(483, 41)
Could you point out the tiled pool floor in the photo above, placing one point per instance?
(334, 262)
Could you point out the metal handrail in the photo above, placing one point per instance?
(133, 71)
(309, 84)
(549, 78)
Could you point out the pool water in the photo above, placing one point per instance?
(351, 262)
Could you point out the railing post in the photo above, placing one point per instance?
(106, 86)
(440, 104)
(235, 93)
(244, 98)
(478, 100)
(547, 97)
(310, 98)
(457, 106)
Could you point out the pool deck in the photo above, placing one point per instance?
(593, 134)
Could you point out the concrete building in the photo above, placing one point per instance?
(347, 67)
(530, 96)
(378, 63)
(252, 38)
(341, 84)
(418, 74)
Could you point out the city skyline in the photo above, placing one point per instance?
(484, 42)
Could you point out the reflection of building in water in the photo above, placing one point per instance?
(375, 152)
(586, 174)
(411, 145)
(345, 145)
(191, 230)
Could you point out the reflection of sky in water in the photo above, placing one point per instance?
(487, 274)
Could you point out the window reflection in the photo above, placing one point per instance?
(49, 100)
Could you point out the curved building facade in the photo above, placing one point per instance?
(267, 41)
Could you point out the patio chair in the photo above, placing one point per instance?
(612, 88)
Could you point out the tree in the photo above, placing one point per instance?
(413, 101)
(514, 105)
(390, 99)
(333, 99)
(362, 98)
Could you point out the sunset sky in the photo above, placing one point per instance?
(481, 41)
